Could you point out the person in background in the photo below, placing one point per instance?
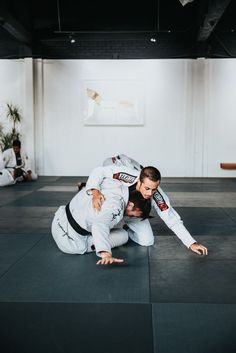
(16, 161)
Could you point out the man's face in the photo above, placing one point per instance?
(147, 187)
(130, 211)
(16, 149)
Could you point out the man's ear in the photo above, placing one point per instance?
(130, 205)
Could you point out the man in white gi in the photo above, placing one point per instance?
(14, 159)
(6, 177)
(78, 228)
(10, 177)
(124, 170)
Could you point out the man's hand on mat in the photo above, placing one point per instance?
(199, 249)
(108, 259)
(98, 199)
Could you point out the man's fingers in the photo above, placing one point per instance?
(199, 249)
(202, 250)
(109, 261)
(97, 203)
(118, 260)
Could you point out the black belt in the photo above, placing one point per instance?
(74, 224)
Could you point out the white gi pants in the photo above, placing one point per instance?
(70, 242)
(6, 178)
(140, 231)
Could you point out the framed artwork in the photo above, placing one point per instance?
(113, 102)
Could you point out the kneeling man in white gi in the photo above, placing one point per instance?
(78, 228)
(16, 159)
(133, 176)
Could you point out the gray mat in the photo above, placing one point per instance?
(196, 280)
(14, 247)
(27, 226)
(46, 274)
(19, 213)
(60, 188)
(198, 220)
(42, 199)
(9, 194)
(179, 275)
(223, 186)
(207, 221)
(171, 248)
(194, 328)
(206, 199)
(71, 180)
(231, 212)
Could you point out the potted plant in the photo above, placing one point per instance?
(15, 117)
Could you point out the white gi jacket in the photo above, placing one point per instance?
(114, 175)
(99, 224)
(8, 161)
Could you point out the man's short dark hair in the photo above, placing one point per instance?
(140, 203)
(151, 173)
(16, 143)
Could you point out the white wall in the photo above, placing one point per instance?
(82, 147)
(188, 124)
(16, 87)
(220, 125)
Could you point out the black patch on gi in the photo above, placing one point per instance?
(159, 199)
(125, 177)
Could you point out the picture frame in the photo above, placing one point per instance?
(113, 102)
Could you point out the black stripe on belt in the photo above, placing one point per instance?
(74, 224)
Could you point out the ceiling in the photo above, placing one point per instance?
(125, 29)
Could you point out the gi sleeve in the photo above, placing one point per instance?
(129, 162)
(5, 159)
(122, 174)
(96, 177)
(161, 204)
(110, 215)
(1, 162)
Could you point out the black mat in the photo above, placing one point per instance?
(194, 328)
(73, 328)
(46, 274)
